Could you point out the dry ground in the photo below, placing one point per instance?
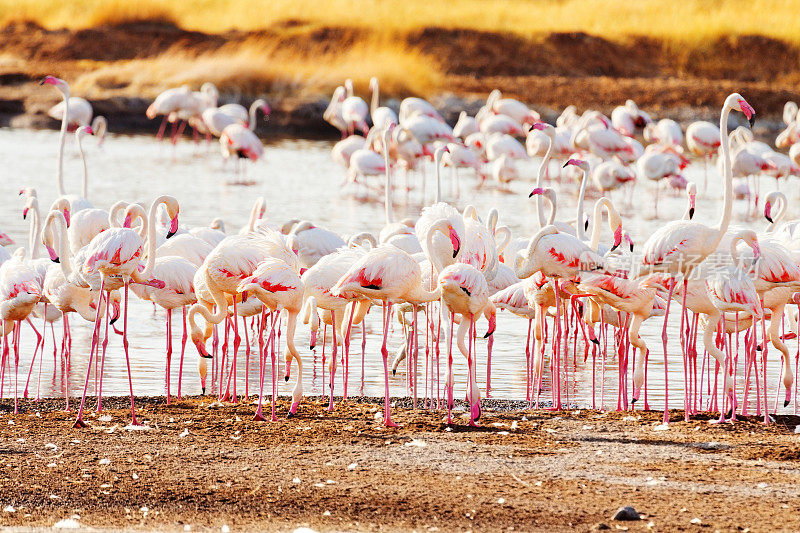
(205, 464)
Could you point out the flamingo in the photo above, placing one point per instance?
(216, 119)
(512, 108)
(176, 273)
(665, 131)
(391, 275)
(412, 107)
(465, 292)
(20, 291)
(656, 166)
(239, 141)
(776, 200)
(382, 117)
(679, 245)
(425, 129)
(343, 150)
(115, 255)
(333, 113)
(354, 110)
(278, 286)
(311, 243)
(319, 280)
(629, 119)
(498, 144)
(466, 125)
(501, 124)
(559, 256)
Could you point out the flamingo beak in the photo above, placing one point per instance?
(89, 130)
(116, 313)
(66, 216)
(173, 227)
(24, 213)
(50, 80)
(691, 206)
(313, 342)
(537, 190)
(630, 242)
(492, 326)
(201, 349)
(617, 237)
(767, 211)
(455, 241)
(127, 222)
(53, 254)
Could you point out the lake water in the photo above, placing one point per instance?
(299, 180)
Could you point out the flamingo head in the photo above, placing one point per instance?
(58, 83)
(455, 240)
(580, 163)
(617, 237)
(768, 211)
(628, 240)
(5, 240)
(172, 210)
(491, 316)
(691, 191)
(537, 190)
(740, 104)
(84, 130)
(202, 369)
(542, 126)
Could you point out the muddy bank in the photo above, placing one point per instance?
(206, 464)
(549, 71)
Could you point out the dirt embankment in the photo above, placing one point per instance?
(205, 465)
(549, 71)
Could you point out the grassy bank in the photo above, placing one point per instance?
(690, 21)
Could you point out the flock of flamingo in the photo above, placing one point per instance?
(439, 274)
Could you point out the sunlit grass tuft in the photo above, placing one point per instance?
(256, 68)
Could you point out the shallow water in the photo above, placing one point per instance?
(299, 180)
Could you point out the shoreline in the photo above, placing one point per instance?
(206, 465)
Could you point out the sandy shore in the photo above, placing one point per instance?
(206, 465)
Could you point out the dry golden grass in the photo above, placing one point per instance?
(264, 68)
(677, 20)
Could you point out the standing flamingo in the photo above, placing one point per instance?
(680, 245)
(278, 286)
(464, 291)
(388, 274)
(115, 254)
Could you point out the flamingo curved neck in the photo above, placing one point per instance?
(151, 236)
(437, 156)
(62, 137)
(85, 183)
(579, 229)
(253, 117)
(64, 251)
(199, 309)
(375, 102)
(727, 173)
(388, 192)
(540, 177)
(597, 219)
(36, 226)
(781, 201)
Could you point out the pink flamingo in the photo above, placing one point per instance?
(240, 142)
(679, 245)
(388, 274)
(115, 254)
(278, 286)
(465, 292)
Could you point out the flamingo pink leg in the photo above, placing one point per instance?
(134, 421)
(79, 423)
